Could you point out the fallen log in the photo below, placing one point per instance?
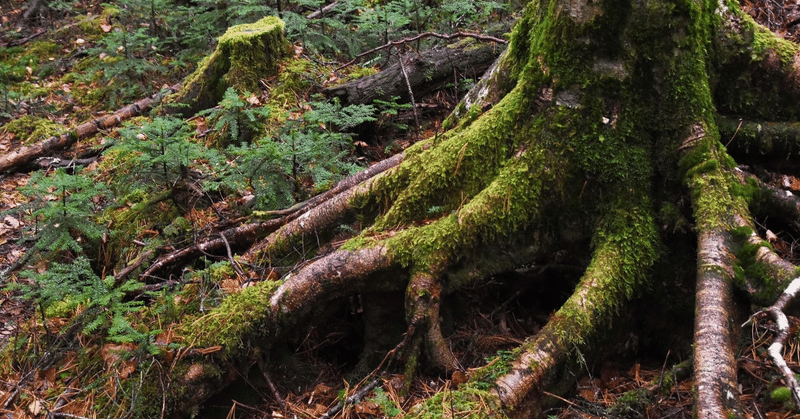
(25, 155)
(428, 72)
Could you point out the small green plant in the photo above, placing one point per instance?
(159, 153)
(387, 405)
(234, 120)
(306, 154)
(65, 287)
(64, 207)
(317, 148)
(391, 108)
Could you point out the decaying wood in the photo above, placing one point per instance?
(417, 37)
(428, 71)
(25, 155)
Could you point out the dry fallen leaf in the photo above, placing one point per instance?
(459, 378)
(35, 407)
(369, 408)
(11, 221)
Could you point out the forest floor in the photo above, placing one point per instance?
(500, 318)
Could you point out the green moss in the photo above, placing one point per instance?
(238, 316)
(467, 401)
(749, 270)
(253, 50)
(178, 227)
(219, 271)
(765, 42)
(356, 72)
(43, 50)
(708, 166)
(780, 395)
(750, 191)
(244, 55)
(484, 378)
(294, 80)
(31, 129)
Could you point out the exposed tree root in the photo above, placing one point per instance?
(619, 266)
(715, 365)
(423, 299)
(248, 233)
(758, 80)
(554, 147)
(714, 361)
(778, 140)
(776, 349)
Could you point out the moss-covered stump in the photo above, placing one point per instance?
(245, 54)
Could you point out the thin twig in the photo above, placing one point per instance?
(274, 389)
(411, 95)
(235, 265)
(356, 397)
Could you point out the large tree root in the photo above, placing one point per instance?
(758, 79)
(714, 361)
(555, 148)
(776, 140)
(619, 266)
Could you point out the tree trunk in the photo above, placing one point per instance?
(595, 116)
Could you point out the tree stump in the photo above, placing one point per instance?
(245, 54)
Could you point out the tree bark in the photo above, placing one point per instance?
(428, 71)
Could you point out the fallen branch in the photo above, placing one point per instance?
(250, 232)
(25, 155)
(355, 398)
(236, 235)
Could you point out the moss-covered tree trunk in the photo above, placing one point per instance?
(593, 127)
